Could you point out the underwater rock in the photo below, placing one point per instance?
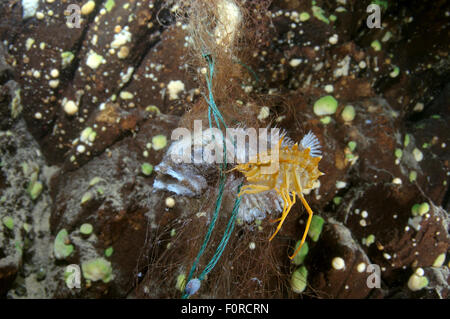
(22, 165)
(349, 278)
(122, 203)
(401, 246)
(144, 71)
(94, 97)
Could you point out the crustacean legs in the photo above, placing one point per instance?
(283, 191)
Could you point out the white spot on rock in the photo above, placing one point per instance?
(121, 38)
(174, 88)
(263, 113)
(329, 88)
(341, 184)
(418, 155)
(94, 60)
(81, 148)
(295, 62)
(361, 267)
(338, 263)
(333, 39)
(170, 202)
(70, 107)
(29, 8)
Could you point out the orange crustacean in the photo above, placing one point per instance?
(297, 173)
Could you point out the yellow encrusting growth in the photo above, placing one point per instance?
(297, 172)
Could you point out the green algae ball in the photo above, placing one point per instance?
(109, 5)
(26, 227)
(61, 249)
(337, 200)
(304, 16)
(159, 142)
(181, 282)
(146, 169)
(420, 209)
(376, 45)
(95, 180)
(86, 229)
(406, 140)
(423, 209)
(352, 145)
(326, 120)
(319, 14)
(153, 108)
(300, 257)
(299, 280)
(316, 228)
(35, 189)
(415, 209)
(97, 269)
(109, 251)
(8, 222)
(416, 283)
(326, 105)
(67, 58)
(440, 260)
(370, 240)
(86, 197)
(395, 72)
(348, 114)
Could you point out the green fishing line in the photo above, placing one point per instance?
(213, 111)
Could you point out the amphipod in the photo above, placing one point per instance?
(298, 170)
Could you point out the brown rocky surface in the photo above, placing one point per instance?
(80, 108)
